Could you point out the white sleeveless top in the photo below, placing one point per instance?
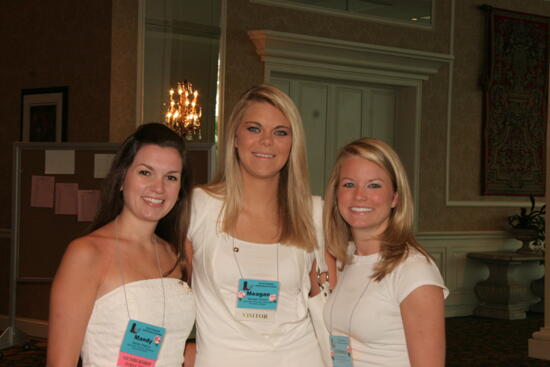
(109, 319)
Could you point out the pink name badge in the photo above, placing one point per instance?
(130, 360)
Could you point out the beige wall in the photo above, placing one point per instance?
(470, 51)
(88, 46)
(49, 44)
(244, 68)
(124, 49)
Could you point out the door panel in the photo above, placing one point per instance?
(383, 104)
(336, 113)
(349, 117)
(312, 104)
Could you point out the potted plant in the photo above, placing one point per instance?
(528, 227)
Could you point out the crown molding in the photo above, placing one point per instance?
(281, 45)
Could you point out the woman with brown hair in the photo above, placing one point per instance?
(118, 297)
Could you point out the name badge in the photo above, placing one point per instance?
(340, 351)
(257, 299)
(141, 345)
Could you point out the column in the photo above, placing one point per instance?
(539, 344)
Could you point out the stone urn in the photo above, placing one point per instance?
(526, 236)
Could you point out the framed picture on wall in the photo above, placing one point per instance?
(44, 114)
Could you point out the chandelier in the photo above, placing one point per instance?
(184, 113)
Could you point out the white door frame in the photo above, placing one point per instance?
(405, 69)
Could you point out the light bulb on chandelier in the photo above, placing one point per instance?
(184, 113)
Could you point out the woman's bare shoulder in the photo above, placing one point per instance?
(91, 249)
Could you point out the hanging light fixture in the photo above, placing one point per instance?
(184, 113)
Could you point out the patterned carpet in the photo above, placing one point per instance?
(471, 342)
(32, 354)
(483, 342)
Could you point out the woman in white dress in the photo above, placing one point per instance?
(251, 240)
(387, 308)
(123, 281)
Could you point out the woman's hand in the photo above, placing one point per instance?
(314, 288)
(330, 275)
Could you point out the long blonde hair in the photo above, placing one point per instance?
(294, 195)
(398, 238)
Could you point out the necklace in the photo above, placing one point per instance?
(337, 292)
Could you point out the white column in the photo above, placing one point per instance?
(539, 344)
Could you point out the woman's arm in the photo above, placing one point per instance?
(189, 354)
(72, 298)
(424, 322)
(190, 346)
(331, 274)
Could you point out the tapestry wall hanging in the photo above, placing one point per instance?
(516, 92)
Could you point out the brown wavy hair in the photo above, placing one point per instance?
(173, 227)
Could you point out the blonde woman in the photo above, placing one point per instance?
(251, 241)
(387, 308)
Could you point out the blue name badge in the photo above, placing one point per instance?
(340, 351)
(141, 344)
(257, 299)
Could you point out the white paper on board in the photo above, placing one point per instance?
(102, 164)
(59, 162)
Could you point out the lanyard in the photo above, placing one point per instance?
(236, 249)
(336, 293)
(121, 270)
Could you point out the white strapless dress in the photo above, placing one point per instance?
(109, 319)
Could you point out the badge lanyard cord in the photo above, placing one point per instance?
(236, 249)
(354, 306)
(121, 270)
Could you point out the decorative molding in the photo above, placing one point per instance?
(221, 70)
(387, 60)
(463, 236)
(347, 14)
(461, 274)
(492, 203)
(180, 27)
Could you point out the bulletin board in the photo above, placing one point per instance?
(40, 236)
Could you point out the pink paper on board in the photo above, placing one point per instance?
(88, 201)
(42, 191)
(66, 201)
